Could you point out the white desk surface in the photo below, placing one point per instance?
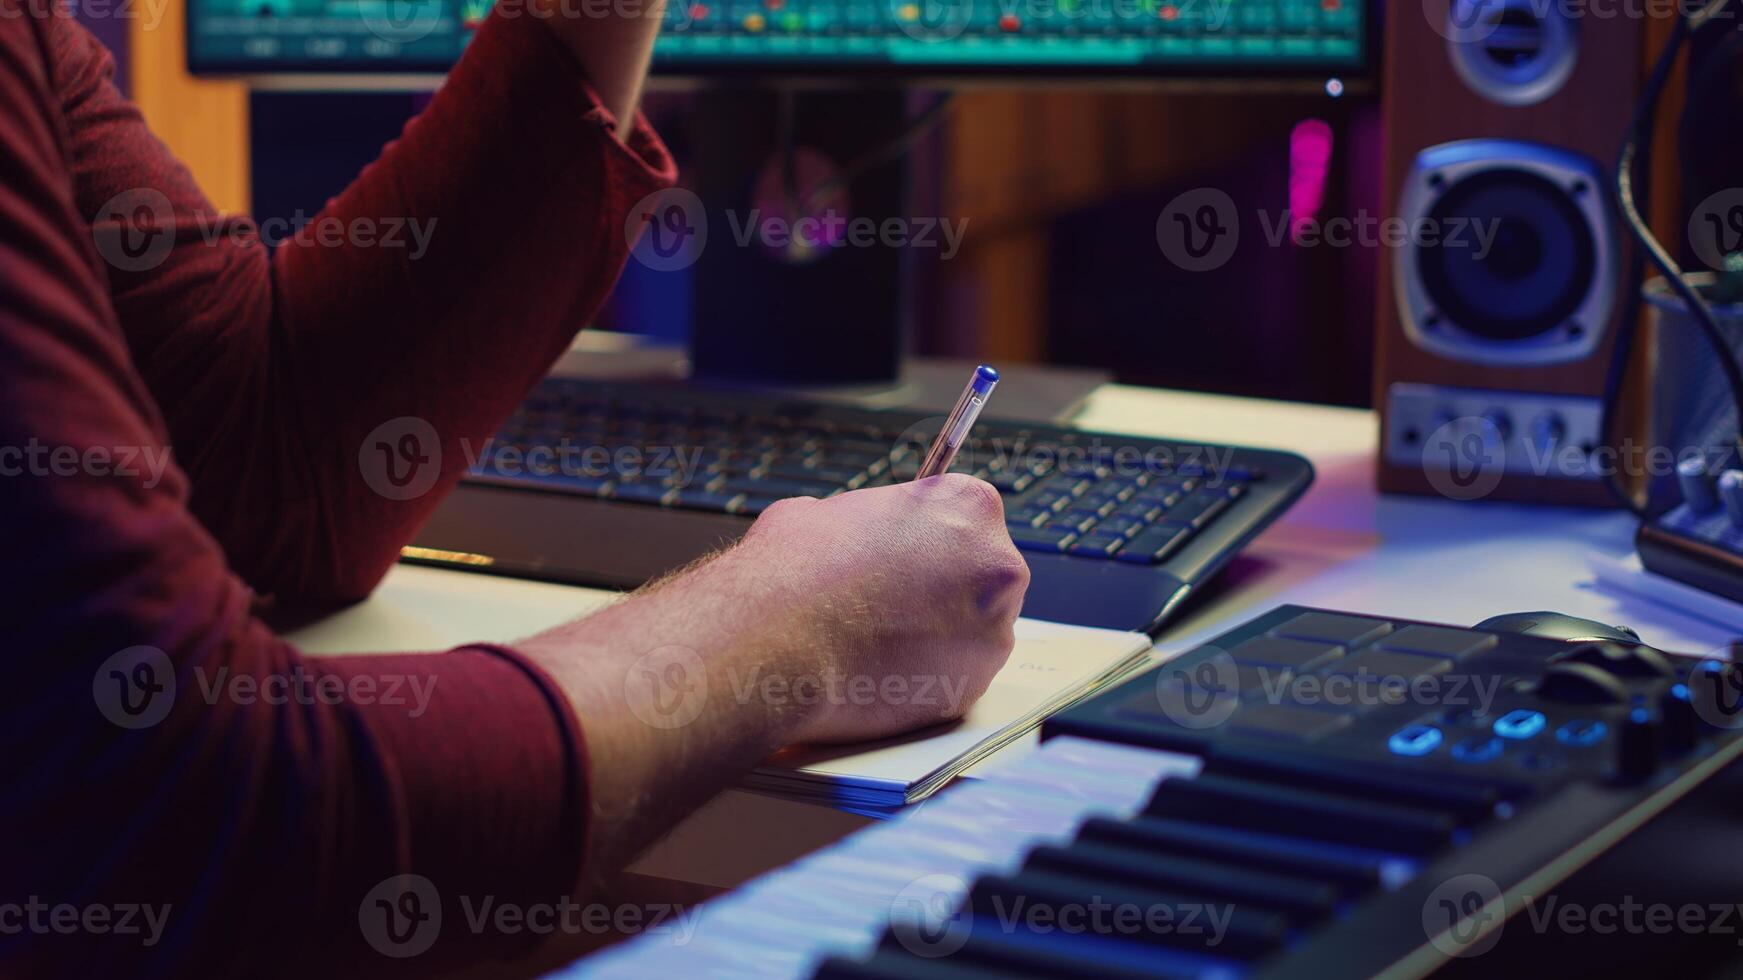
(1342, 546)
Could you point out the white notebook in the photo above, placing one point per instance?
(1051, 667)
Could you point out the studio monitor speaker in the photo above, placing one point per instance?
(1497, 312)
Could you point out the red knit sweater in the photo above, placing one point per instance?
(165, 756)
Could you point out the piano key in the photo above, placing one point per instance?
(1304, 900)
(1022, 953)
(1105, 775)
(1365, 822)
(899, 965)
(1227, 928)
(1352, 870)
(1470, 800)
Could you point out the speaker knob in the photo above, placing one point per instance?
(1696, 483)
(1548, 430)
(1731, 492)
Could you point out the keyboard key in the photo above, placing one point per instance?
(1077, 520)
(751, 505)
(777, 488)
(1156, 544)
(841, 475)
(1198, 508)
(1026, 517)
(697, 499)
(1053, 539)
(1145, 511)
(641, 492)
(1166, 491)
(1051, 500)
(1097, 545)
(1122, 526)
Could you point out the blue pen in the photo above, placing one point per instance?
(961, 420)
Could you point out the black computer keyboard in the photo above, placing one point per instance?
(1166, 514)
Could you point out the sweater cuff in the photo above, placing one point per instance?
(485, 765)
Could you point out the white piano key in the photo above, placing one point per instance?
(839, 901)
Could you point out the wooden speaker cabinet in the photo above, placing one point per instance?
(1497, 316)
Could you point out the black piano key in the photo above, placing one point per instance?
(1352, 872)
(1471, 800)
(1224, 929)
(897, 964)
(1361, 821)
(1303, 900)
(1047, 956)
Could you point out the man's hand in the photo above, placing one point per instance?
(907, 588)
(864, 615)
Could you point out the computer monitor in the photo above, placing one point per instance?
(762, 318)
(901, 39)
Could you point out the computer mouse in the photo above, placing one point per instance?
(1558, 626)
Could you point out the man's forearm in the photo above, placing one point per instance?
(669, 685)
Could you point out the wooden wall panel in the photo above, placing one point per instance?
(204, 123)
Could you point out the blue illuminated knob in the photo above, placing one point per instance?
(1696, 485)
(1731, 492)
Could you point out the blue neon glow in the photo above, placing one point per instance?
(1415, 740)
(1680, 692)
(1519, 724)
(1581, 733)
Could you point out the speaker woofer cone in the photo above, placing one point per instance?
(1512, 257)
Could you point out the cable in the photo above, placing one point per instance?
(891, 149)
(1639, 131)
